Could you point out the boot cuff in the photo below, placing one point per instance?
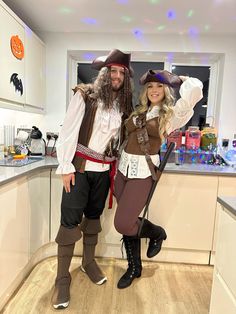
(91, 226)
(66, 236)
(90, 239)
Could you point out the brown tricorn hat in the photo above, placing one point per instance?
(115, 57)
(161, 76)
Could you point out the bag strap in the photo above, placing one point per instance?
(143, 140)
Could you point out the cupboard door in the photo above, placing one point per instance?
(227, 187)
(12, 73)
(185, 206)
(35, 70)
(14, 231)
(39, 203)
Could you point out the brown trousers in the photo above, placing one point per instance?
(131, 196)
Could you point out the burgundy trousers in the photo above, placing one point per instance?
(131, 196)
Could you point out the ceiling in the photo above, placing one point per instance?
(137, 17)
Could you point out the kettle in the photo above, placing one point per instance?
(37, 143)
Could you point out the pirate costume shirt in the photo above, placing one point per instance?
(106, 125)
(132, 162)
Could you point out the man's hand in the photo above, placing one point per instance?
(68, 179)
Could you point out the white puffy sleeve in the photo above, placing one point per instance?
(68, 136)
(190, 93)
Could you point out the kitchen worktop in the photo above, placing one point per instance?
(8, 174)
(201, 169)
(228, 202)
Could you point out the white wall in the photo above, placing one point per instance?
(20, 118)
(57, 45)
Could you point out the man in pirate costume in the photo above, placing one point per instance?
(86, 153)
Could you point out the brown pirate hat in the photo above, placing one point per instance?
(115, 57)
(161, 76)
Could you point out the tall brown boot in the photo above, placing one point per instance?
(91, 228)
(66, 239)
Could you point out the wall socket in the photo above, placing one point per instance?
(52, 135)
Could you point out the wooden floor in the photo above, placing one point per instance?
(163, 288)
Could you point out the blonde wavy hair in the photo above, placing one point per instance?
(166, 108)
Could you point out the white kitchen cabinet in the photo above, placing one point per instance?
(14, 230)
(9, 64)
(30, 70)
(24, 226)
(226, 187)
(34, 70)
(223, 297)
(39, 203)
(185, 206)
(222, 300)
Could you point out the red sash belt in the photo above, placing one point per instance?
(112, 172)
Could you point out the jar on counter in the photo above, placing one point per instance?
(208, 138)
(176, 137)
(193, 137)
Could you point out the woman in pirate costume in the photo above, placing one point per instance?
(85, 151)
(147, 127)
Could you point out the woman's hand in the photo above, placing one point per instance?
(68, 179)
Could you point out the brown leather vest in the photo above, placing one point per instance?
(87, 127)
(133, 147)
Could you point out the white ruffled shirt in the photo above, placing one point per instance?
(135, 166)
(106, 125)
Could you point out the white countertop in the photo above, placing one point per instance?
(8, 174)
(201, 169)
(229, 202)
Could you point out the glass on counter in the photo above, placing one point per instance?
(193, 138)
(208, 138)
(175, 137)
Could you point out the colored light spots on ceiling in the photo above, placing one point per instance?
(154, 1)
(137, 33)
(161, 27)
(149, 21)
(122, 1)
(65, 10)
(89, 20)
(206, 27)
(193, 31)
(126, 18)
(171, 14)
(190, 13)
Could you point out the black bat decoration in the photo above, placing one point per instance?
(17, 83)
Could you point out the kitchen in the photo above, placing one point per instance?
(61, 50)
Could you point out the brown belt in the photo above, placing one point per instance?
(143, 140)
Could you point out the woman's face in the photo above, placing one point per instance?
(155, 93)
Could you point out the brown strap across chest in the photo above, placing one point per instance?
(143, 141)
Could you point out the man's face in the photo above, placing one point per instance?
(117, 77)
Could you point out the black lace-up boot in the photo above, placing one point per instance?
(156, 234)
(132, 248)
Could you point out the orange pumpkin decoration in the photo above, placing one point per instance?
(17, 47)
